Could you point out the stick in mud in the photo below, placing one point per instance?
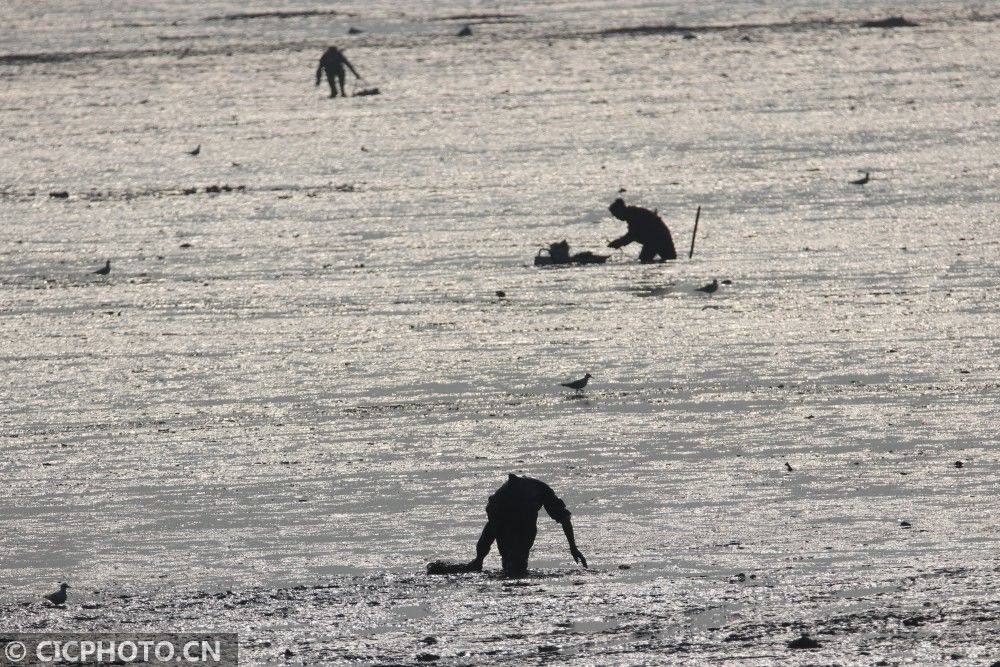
(695, 232)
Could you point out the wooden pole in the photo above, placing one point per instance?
(694, 233)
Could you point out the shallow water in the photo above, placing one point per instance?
(323, 388)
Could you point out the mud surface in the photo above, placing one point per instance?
(288, 397)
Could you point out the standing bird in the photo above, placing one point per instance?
(59, 597)
(709, 288)
(196, 151)
(578, 385)
(105, 270)
(861, 181)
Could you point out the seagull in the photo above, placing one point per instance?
(197, 149)
(59, 597)
(578, 384)
(861, 181)
(709, 288)
(105, 270)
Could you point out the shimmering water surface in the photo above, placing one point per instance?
(307, 379)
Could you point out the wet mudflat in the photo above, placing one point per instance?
(611, 617)
(298, 385)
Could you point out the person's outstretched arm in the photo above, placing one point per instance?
(568, 529)
(622, 240)
(483, 546)
(351, 67)
(556, 509)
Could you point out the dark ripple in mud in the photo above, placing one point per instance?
(288, 14)
(815, 24)
(126, 195)
(473, 19)
(13, 59)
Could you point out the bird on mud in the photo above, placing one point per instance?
(196, 151)
(59, 597)
(862, 180)
(104, 270)
(578, 385)
(710, 288)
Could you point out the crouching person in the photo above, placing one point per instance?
(645, 228)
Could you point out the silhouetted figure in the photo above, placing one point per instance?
(513, 513)
(861, 181)
(645, 228)
(578, 384)
(104, 270)
(710, 288)
(332, 63)
(59, 597)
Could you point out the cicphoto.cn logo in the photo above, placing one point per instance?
(119, 648)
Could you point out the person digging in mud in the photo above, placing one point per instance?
(512, 515)
(645, 228)
(332, 63)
